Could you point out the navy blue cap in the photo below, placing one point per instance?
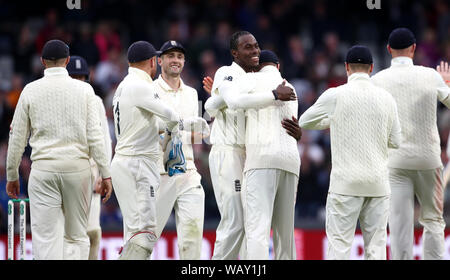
(359, 54)
(140, 51)
(78, 66)
(55, 49)
(268, 56)
(170, 45)
(401, 38)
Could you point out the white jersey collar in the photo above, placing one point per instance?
(402, 61)
(358, 76)
(166, 86)
(53, 71)
(140, 73)
(238, 68)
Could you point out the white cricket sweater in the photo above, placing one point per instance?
(185, 102)
(363, 123)
(267, 143)
(60, 117)
(106, 134)
(228, 128)
(416, 90)
(137, 106)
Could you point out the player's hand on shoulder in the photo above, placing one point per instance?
(284, 93)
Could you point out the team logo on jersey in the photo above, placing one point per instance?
(152, 191)
(228, 78)
(237, 185)
(156, 95)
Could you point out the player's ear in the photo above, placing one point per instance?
(347, 68)
(159, 61)
(389, 49)
(234, 54)
(67, 61)
(153, 62)
(371, 68)
(43, 62)
(413, 48)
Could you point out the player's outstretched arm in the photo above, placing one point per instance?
(317, 116)
(151, 102)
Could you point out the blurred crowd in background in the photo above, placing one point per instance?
(310, 37)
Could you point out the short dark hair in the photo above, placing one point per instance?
(235, 38)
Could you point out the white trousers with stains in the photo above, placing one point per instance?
(342, 215)
(427, 187)
(59, 208)
(135, 181)
(185, 195)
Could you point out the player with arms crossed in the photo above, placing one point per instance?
(182, 192)
(415, 169)
(135, 173)
(79, 69)
(363, 123)
(60, 116)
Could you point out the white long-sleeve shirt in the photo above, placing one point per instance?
(185, 102)
(137, 106)
(59, 116)
(106, 134)
(228, 128)
(363, 123)
(267, 143)
(416, 90)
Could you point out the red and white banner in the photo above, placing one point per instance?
(310, 244)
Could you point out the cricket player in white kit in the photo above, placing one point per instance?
(226, 160)
(60, 116)
(271, 171)
(415, 169)
(79, 69)
(183, 192)
(134, 168)
(363, 123)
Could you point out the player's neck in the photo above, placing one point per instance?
(173, 81)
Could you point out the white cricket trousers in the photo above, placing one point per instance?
(226, 165)
(59, 208)
(268, 198)
(94, 211)
(183, 193)
(135, 181)
(93, 228)
(342, 214)
(427, 186)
